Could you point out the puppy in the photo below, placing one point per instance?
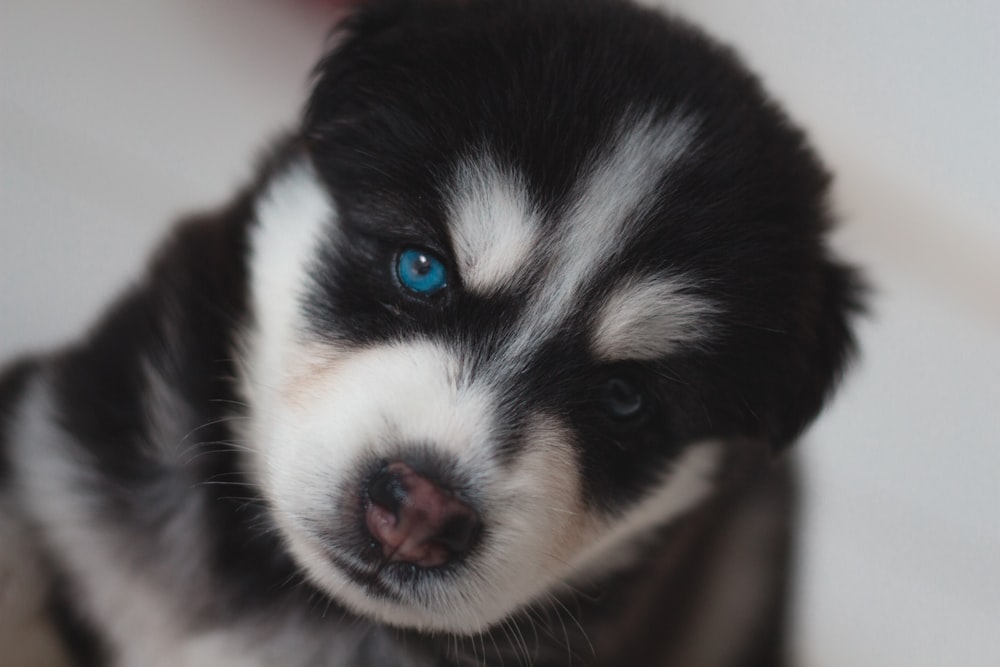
(490, 365)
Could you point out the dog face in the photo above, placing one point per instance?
(537, 271)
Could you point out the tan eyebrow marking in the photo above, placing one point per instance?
(651, 317)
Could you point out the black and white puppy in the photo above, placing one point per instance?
(487, 367)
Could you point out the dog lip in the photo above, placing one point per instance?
(394, 581)
(370, 579)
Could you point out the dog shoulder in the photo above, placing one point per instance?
(27, 636)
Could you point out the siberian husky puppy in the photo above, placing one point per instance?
(490, 365)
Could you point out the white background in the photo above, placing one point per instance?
(116, 115)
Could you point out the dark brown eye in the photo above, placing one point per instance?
(622, 400)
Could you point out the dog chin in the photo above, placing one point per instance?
(455, 606)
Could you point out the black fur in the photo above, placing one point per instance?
(83, 642)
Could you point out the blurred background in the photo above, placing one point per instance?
(116, 116)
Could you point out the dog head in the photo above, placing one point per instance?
(534, 272)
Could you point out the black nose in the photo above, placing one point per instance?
(417, 521)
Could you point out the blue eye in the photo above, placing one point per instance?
(421, 272)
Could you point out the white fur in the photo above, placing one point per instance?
(291, 218)
(493, 225)
(377, 402)
(649, 318)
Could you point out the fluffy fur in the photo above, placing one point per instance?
(641, 314)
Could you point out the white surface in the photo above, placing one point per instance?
(115, 115)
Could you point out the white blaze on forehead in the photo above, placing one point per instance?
(493, 224)
(620, 188)
(650, 318)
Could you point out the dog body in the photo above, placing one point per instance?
(487, 366)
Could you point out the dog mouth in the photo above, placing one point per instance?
(384, 581)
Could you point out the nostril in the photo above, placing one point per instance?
(417, 521)
(459, 533)
(386, 489)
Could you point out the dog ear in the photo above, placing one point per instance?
(345, 56)
(821, 346)
(368, 36)
(787, 343)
